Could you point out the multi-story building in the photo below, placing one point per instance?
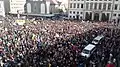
(40, 6)
(94, 9)
(2, 8)
(17, 6)
(7, 6)
(63, 5)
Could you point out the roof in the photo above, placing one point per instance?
(53, 1)
(44, 15)
(99, 37)
(89, 47)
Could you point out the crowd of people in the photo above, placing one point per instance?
(53, 43)
(108, 51)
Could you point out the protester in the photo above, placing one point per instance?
(52, 43)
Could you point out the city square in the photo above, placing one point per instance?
(57, 33)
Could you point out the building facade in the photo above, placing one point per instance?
(7, 6)
(2, 8)
(63, 5)
(17, 6)
(105, 10)
(40, 6)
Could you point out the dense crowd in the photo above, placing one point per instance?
(108, 51)
(53, 43)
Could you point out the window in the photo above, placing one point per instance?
(118, 14)
(73, 12)
(95, 7)
(70, 5)
(113, 19)
(86, 51)
(109, 6)
(78, 5)
(74, 5)
(74, 17)
(100, 5)
(108, 14)
(81, 12)
(70, 11)
(114, 15)
(81, 5)
(91, 5)
(87, 5)
(81, 17)
(104, 6)
(116, 6)
(77, 12)
(119, 7)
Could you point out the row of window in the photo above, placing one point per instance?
(15, 7)
(82, 17)
(17, 1)
(100, 6)
(16, 4)
(116, 15)
(104, 6)
(73, 5)
(74, 17)
(74, 12)
(35, 0)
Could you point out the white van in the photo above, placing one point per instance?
(88, 50)
(97, 39)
